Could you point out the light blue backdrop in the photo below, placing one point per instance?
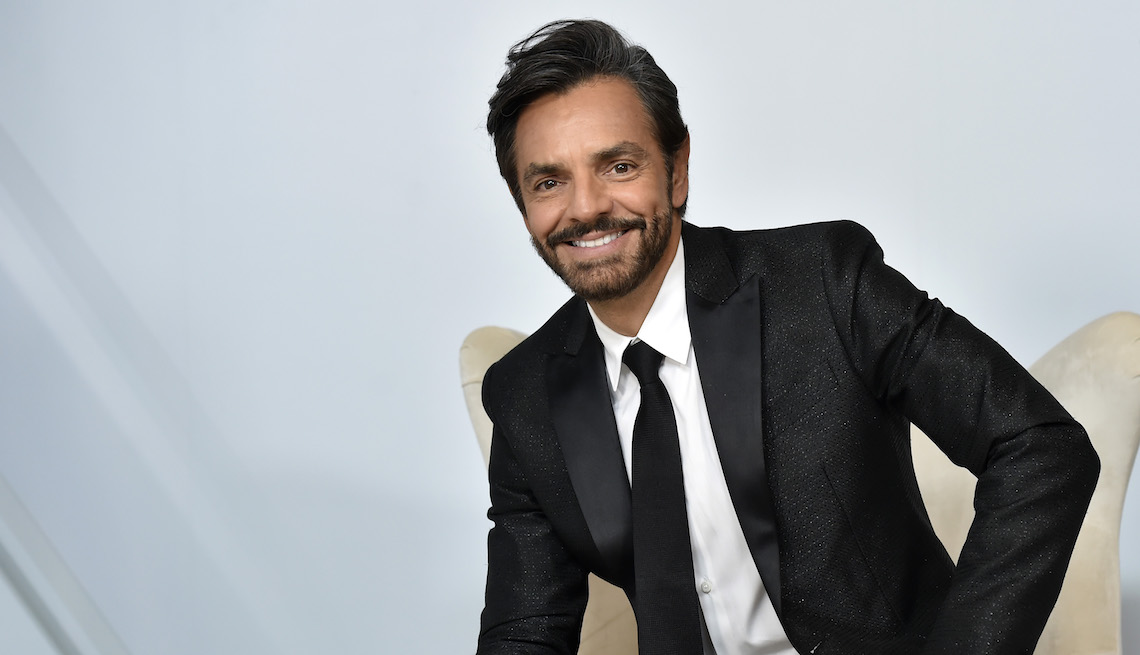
(241, 241)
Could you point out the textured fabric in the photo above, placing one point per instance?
(668, 620)
(818, 355)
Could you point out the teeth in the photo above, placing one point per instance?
(597, 242)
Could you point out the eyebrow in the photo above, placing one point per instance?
(622, 149)
(535, 170)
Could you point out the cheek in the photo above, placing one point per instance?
(644, 198)
(539, 221)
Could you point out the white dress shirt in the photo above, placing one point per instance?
(738, 615)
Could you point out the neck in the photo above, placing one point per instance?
(625, 315)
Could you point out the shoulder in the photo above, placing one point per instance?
(522, 369)
(775, 250)
(799, 238)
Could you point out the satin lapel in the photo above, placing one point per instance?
(584, 421)
(727, 341)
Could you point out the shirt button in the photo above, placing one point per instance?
(706, 586)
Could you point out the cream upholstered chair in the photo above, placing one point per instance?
(1095, 373)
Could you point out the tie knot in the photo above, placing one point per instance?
(643, 361)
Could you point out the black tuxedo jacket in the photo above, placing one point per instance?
(814, 357)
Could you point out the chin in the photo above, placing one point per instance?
(610, 278)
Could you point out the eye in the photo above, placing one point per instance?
(623, 168)
(546, 185)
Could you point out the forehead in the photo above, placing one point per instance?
(589, 118)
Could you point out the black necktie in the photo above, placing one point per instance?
(668, 619)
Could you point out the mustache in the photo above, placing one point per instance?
(603, 224)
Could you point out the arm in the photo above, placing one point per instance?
(536, 592)
(1035, 466)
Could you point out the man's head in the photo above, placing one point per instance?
(564, 54)
(590, 140)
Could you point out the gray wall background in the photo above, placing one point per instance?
(241, 241)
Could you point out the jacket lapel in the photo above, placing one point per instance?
(725, 321)
(587, 432)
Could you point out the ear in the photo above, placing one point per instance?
(681, 174)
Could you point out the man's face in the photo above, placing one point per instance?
(599, 204)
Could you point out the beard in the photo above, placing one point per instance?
(614, 276)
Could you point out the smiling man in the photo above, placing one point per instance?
(718, 422)
(598, 196)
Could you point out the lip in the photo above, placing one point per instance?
(591, 241)
(597, 243)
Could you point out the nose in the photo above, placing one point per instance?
(589, 199)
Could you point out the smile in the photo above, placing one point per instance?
(609, 238)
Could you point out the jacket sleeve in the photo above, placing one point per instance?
(1035, 466)
(536, 591)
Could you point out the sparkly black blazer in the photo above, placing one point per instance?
(815, 356)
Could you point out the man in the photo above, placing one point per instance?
(718, 421)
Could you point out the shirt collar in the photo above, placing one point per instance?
(666, 326)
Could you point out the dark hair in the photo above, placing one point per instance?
(561, 55)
